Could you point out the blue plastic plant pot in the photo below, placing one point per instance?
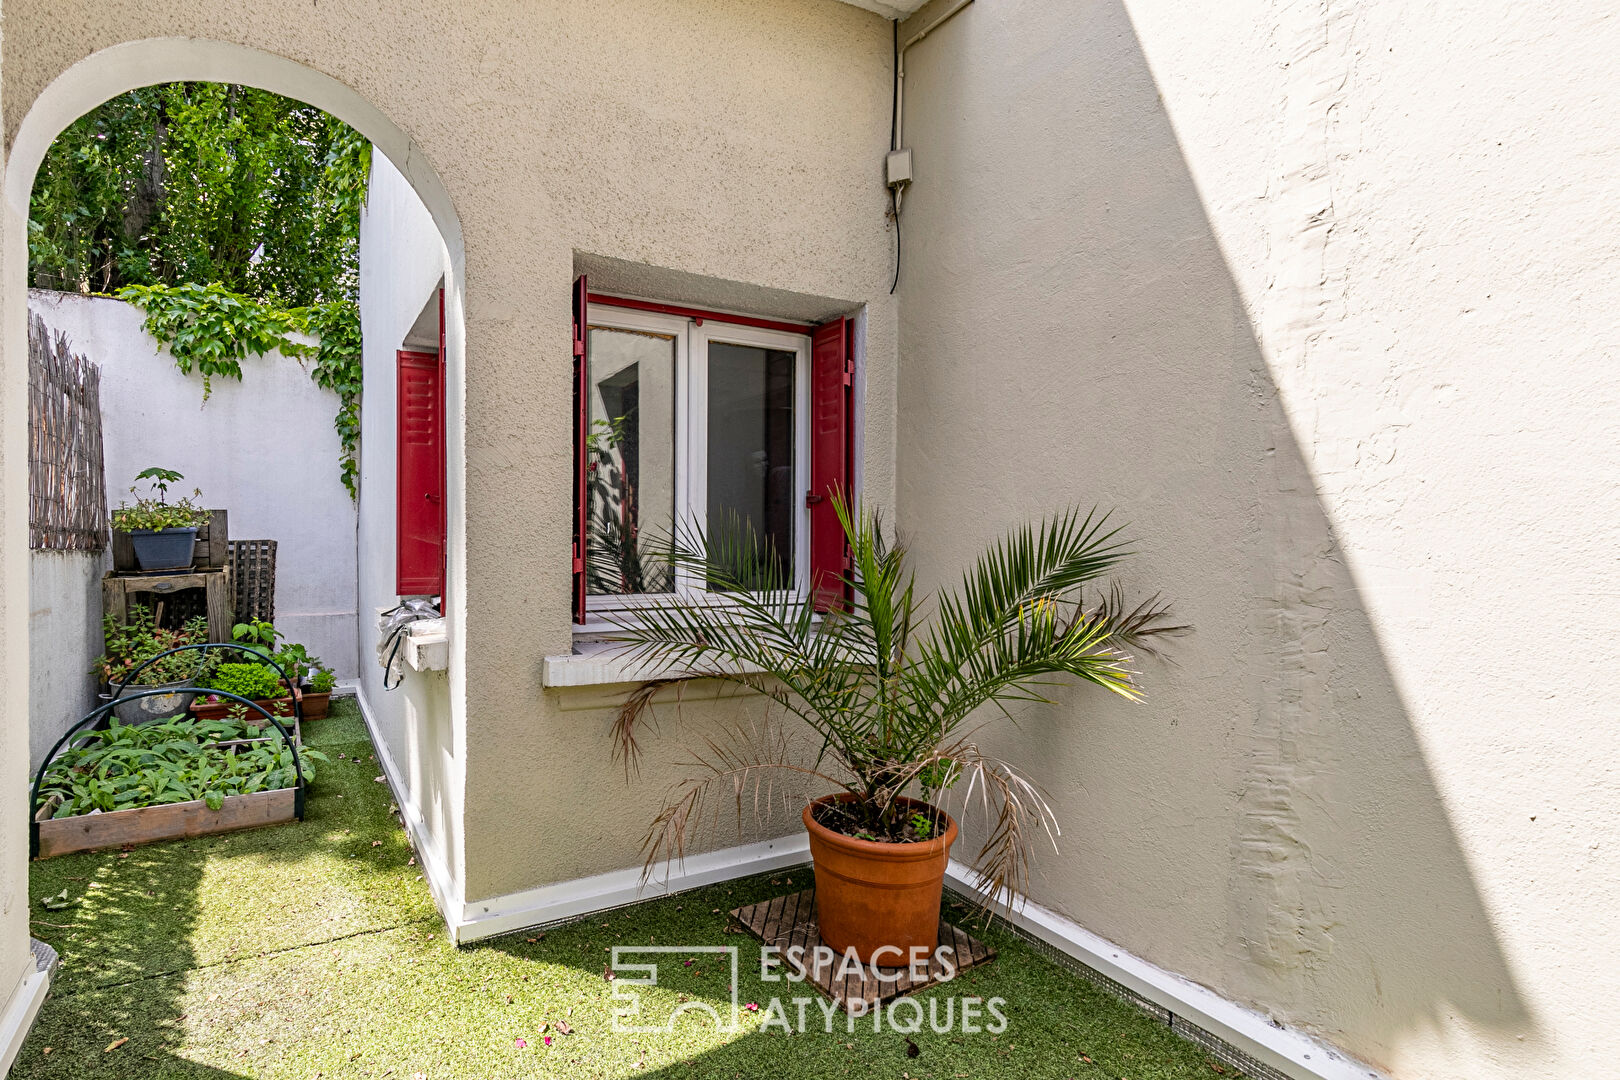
(163, 549)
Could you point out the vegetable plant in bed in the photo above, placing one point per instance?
(883, 700)
(172, 763)
(313, 679)
(163, 533)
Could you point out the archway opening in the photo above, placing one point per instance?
(397, 315)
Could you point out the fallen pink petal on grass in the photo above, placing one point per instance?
(522, 1044)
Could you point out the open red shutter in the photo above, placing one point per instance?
(832, 395)
(419, 541)
(581, 425)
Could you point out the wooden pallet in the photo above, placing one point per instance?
(253, 576)
(790, 920)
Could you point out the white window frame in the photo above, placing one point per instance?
(692, 338)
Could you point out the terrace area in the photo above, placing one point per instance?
(314, 950)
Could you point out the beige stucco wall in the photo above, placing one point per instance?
(15, 961)
(1323, 298)
(736, 144)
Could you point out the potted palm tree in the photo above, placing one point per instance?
(893, 690)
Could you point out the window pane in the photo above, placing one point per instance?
(751, 455)
(631, 461)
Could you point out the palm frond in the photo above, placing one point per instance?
(887, 682)
(1138, 629)
(1008, 810)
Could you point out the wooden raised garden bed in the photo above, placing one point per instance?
(143, 825)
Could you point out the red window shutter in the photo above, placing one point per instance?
(581, 432)
(444, 539)
(832, 395)
(419, 541)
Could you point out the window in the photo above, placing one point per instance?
(697, 419)
(690, 425)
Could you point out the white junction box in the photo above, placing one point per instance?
(897, 168)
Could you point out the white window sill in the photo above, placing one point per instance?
(603, 663)
(427, 646)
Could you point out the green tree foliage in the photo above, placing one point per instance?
(230, 215)
(202, 183)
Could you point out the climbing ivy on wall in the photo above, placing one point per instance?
(337, 368)
(229, 215)
(209, 329)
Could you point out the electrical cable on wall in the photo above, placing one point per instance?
(894, 139)
(897, 166)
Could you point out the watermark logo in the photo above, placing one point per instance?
(943, 1014)
(628, 976)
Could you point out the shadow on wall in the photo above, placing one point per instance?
(1072, 333)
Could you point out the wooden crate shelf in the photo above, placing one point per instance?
(117, 589)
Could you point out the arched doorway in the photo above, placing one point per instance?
(80, 88)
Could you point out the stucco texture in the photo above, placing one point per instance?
(728, 141)
(64, 639)
(1321, 297)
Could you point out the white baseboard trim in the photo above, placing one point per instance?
(516, 911)
(1290, 1052)
(566, 899)
(19, 1018)
(429, 855)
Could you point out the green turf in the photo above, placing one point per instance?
(313, 949)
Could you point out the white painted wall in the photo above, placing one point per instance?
(402, 260)
(1323, 297)
(64, 638)
(263, 449)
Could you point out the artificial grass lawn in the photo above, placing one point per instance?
(314, 950)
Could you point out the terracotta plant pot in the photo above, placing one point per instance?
(316, 705)
(869, 895)
(203, 709)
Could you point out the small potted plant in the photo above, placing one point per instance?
(882, 699)
(318, 693)
(295, 660)
(164, 534)
(130, 644)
